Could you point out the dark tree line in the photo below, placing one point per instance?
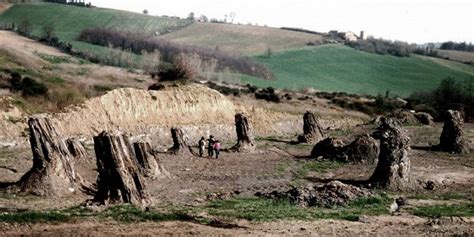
(457, 46)
(78, 3)
(450, 94)
(381, 46)
(137, 43)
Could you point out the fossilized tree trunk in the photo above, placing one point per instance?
(76, 149)
(312, 131)
(180, 142)
(148, 161)
(244, 135)
(120, 179)
(53, 172)
(393, 167)
(452, 138)
(363, 150)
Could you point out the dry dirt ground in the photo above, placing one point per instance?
(276, 166)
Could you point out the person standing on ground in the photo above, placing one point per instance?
(217, 148)
(210, 146)
(202, 146)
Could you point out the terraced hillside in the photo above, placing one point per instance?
(340, 68)
(240, 39)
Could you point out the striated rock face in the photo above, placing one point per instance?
(136, 111)
(12, 123)
(325, 195)
(452, 138)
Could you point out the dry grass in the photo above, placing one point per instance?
(240, 39)
(459, 56)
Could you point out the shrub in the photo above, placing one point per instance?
(450, 94)
(31, 87)
(138, 43)
(381, 46)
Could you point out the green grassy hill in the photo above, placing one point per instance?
(240, 39)
(68, 21)
(340, 68)
(325, 68)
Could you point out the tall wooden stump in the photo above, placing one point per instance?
(53, 172)
(244, 135)
(120, 179)
(148, 161)
(393, 167)
(452, 138)
(76, 149)
(180, 143)
(312, 131)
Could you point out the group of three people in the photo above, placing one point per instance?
(213, 147)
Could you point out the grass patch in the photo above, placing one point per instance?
(316, 166)
(121, 213)
(445, 210)
(129, 213)
(441, 196)
(56, 80)
(55, 59)
(260, 209)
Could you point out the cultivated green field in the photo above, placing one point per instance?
(69, 21)
(340, 68)
(240, 39)
(325, 68)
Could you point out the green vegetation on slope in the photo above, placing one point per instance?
(69, 21)
(240, 39)
(337, 68)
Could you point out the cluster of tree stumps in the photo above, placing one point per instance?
(391, 154)
(121, 166)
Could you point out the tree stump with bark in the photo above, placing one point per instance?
(76, 149)
(312, 130)
(244, 135)
(53, 172)
(120, 179)
(148, 161)
(393, 167)
(452, 138)
(180, 143)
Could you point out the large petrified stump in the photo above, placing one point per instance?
(363, 150)
(312, 131)
(180, 143)
(120, 179)
(148, 161)
(244, 135)
(53, 172)
(76, 149)
(452, 138)
(393, 167)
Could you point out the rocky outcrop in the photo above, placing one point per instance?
(364, 150)
(452, 138)
(324, 195)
